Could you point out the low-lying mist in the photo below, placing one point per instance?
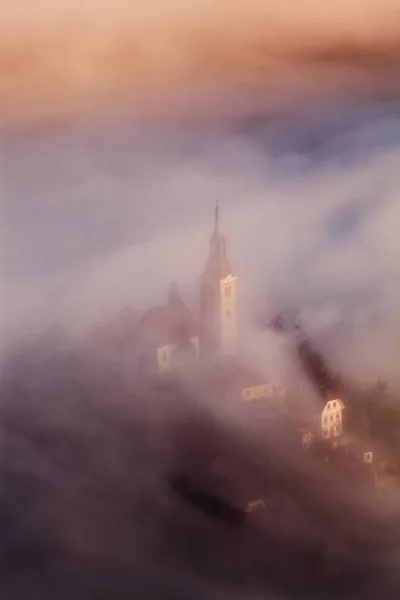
(86, 509)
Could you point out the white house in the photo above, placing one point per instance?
(332, 418)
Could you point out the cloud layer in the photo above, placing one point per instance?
(66, 60)
(104, 218)
(87, 508)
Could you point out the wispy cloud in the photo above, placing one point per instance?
(65, 60)
(106, 218)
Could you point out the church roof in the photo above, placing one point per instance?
(168, 324)
(333, 398)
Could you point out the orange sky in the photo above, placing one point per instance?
(64, 58)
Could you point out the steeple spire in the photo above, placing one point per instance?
(218, 262)
(216, 218)
(218, 322)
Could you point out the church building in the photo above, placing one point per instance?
(169, 338)
(169, 334)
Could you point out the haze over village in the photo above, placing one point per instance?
(200, 391)
(171, 340)
(265, 387)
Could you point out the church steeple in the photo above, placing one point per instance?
(216, 218)
(218, 327)
(218, 264)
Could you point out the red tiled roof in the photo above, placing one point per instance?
(168, 324)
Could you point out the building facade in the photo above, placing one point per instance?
(332, 419)
(168, 336)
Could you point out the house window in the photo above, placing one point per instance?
(334, 405)
(325, 420)
(337, 416)
(331, 417)
(228, 291)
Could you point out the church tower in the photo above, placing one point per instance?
(218, 311)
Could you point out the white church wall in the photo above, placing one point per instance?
(165, 357)
(228, 314)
